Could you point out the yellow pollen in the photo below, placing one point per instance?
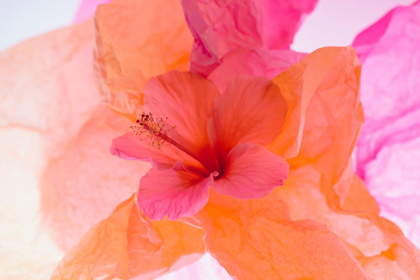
(153, 129)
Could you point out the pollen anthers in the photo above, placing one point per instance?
(153, 129)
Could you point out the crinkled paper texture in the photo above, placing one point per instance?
(257, 239)
(128, 244)
(388, 151)
(135, 41)
(37, 78)
(324, 210)
(219, 27)
(324, 118)
(376, 243)
(85, 183)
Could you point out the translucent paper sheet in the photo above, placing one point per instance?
(59, 117)
(221, 27)
(37, 79)
(389, 146)
(130, 49)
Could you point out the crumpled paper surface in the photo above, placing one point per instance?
(376, 243)
(37, 79)
(257, 239)
(324, 118)
(124, 62)
(388, 150)
(77, 187)
(220, 27)
(75, 139)
(128, 244)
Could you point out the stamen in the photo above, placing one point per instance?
(153, 129)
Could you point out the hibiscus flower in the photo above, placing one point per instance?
(197, 138)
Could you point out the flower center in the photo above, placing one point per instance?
(156, 131)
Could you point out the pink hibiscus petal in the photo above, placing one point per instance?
(388, 149)
(251, 172)
(173, 193)
(186, 100)
(251, 110)
(130, 147)
(220, 27)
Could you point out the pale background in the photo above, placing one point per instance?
(333, 23)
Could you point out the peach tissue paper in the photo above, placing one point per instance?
(188, 139)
